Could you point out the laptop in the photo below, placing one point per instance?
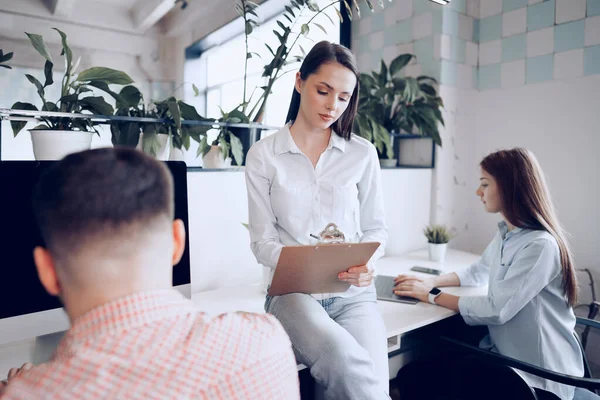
(385, 290)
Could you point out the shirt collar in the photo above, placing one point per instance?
(284, 143)
(336, 141)
(138, 309)
(503, 227)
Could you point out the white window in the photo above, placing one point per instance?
(219, 71)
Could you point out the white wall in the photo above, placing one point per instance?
(220, 244)
(453, 182)
(559, 122)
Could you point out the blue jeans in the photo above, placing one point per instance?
(342, 340)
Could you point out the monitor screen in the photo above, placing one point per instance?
(20, 289)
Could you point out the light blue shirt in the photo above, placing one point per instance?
(526, 310)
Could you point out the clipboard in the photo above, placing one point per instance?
(315, 268)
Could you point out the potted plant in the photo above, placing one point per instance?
(130, 103)
(56, 137)
(390, 104)
(279, 61)
(438, 237)
(227, 145)
(289, 52)
(161, 140)
(4, 58)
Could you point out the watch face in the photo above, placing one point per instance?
(435, 291)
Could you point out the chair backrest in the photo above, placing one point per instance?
(589, 331)
(586, 367)
(480, 379)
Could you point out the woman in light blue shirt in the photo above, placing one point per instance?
(529, 269)
(312, 172)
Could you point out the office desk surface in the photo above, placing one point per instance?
(399, 318)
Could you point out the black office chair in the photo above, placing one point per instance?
(593, 310)
(481, 363)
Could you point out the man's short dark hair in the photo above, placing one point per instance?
(100, 192)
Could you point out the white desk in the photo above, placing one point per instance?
(399, 318)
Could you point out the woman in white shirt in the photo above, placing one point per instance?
(529, 269)
(312, 172)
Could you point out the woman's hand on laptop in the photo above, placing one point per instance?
(408, 278)
(412, 286)
(360, 276)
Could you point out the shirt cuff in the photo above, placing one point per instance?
(463, 277)
(371, 265)
(464, 308)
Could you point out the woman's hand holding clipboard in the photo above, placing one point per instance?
(330, 266)
(360, 276)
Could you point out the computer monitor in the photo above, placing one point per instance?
(26, 309)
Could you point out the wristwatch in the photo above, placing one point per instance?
(433, 293)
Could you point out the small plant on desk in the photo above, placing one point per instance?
(438, 237)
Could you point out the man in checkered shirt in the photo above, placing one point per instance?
(106, 216)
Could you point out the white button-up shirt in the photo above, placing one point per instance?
(289, 199)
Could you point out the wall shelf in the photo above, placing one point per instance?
(36, 116)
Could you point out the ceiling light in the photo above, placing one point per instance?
(442, 2)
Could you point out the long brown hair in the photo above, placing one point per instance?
(322, 53)
(526, 203)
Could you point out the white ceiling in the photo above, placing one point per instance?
(138, 17)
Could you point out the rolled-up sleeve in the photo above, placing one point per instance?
(477, 274)
(264, 238)
(372, 214)
(532, 269)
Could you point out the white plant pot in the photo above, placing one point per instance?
(437, 251)
(54, 145)
(214, 159)
(176, 154)
(164, 149)
(388, 162)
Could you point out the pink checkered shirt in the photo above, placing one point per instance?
(156, 345)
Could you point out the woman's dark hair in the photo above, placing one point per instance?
(322, 53)
(526, 203)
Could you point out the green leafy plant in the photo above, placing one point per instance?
(130, 103)
(288, 32)
(229, 143)
(247, 10)
(437, 234)
(368, 127)
(4, 58)
(390, 102)
(75, 90)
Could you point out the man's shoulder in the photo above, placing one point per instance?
(239, 339)
(247, 324)
(210, 349)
